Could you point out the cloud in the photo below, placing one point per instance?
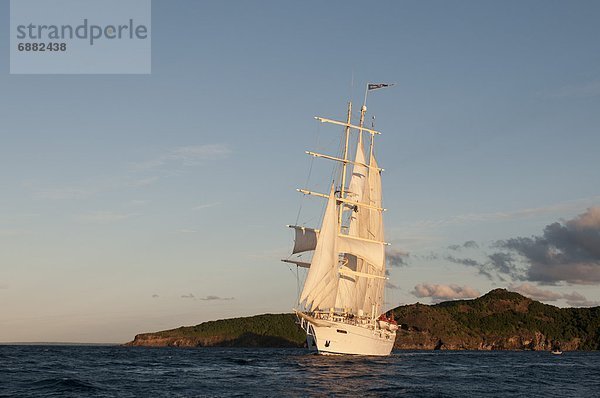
(462, 219)
(534, 292)
(567, 251)
(505, 263)
(207, 298)
(390, 285)
(578, 300)
(105, 217)
(484, 268)
(573, 299)
(206, 206)
(470, 244)
(396, 258)
(215, 298)
(469, 262)
(444, 292)
(431, 256)
(186, 155)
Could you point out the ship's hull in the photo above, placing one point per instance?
(329, 337)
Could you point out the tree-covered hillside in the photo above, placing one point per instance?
(498, 320)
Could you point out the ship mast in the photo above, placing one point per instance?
(345, 162)
(345, 159)
(363, 110)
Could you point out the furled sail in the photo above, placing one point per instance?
(299, 263)
(320, 287)
(305, 240)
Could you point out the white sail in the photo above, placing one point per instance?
(359, 177)
(371, 251)
(373, 296)
(347, 289)
(305, 240)
(360, 286)
(320, 287)
(375, 216)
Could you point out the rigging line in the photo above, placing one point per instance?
(352, 83)
(312, 160)
(336, 169)
(298, 286)
(297, 280)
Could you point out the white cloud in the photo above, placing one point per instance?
(440, 292)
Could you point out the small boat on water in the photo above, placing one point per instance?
(556, 349)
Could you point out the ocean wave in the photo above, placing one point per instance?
(63, 385)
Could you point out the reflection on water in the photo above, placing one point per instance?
(342, 374)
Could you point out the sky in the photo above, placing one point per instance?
(136, 203)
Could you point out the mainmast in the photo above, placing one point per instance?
(345, 162)
(363, 110)
(345, 159)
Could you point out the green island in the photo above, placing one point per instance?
(498, 320)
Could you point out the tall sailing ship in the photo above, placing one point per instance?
(341, 303)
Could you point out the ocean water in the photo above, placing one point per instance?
(99, 371)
